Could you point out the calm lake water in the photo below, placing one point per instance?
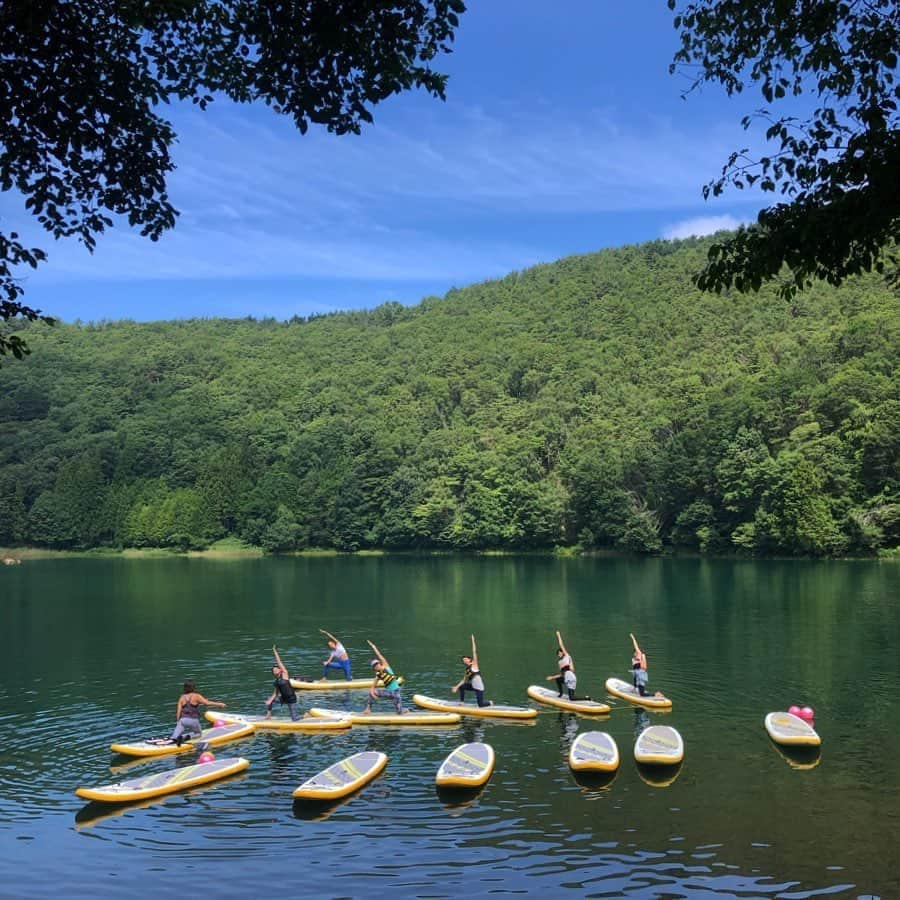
(96, 650)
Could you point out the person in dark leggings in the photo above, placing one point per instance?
(566, 679)
(472, 680)
(187, 713)
(385, 684)
(283, 690)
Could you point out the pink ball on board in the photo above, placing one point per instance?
(219, 724)
(807, 713)
(205, 757)
(794, 710)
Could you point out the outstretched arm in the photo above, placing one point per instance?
(284, 671)
(329, 635)
(474, 654)
(634, 641)
(203, 700)
(562, 646)
(377, 652)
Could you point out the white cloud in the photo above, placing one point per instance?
(701, 225)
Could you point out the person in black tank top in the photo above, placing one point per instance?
(283, 690)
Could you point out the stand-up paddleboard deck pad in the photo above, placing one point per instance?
(468, 766)
(552, 698)
(343, 777)
(261, 723)
(209, 737)
(495, 711)
(659, 745)
(167, 782)
(594, 751)
(790, 730)
(629, 692)
(410, 717)
(336, 684)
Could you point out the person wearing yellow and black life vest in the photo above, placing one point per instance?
(283, 690)
(566, 677)
(385, 684)
(472, 680)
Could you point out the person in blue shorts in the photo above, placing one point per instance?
(339, 658)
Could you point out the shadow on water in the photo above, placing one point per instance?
(595, 783)
(658, 776)
(799, 758)
(456, 799)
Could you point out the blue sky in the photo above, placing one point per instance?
(563, 132)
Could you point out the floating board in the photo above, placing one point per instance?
(343, 777)
(167, 782)
(261, 723)
(659, 745)
(468, 766)
(209, 737)
(552, 698)
(336, 684)
(790, 730)
(495, 711)
(411, 717)
(594, 751)
(629, 692)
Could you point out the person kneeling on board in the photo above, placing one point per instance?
(339, 658)
(566, 678)
(283, 690)
(385, 684)
(639, 668)
(187, 713)
(472, 680)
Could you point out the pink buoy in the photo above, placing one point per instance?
(794, 710)
(219, 723)
(205, 757)
(807, 713)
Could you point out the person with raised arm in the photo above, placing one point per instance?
(187, 713)
(639, 668)
(566, 677)
(385, 684)
(472, 679)
(339, 658)
(283, 690)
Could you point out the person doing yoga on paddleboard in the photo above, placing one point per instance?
(187, 713)
(566, 679)
(472, 680)
(385, 684)
(283, 690)
(339, 658)
(638, 668)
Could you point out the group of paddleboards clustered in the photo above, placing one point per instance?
(468, 766)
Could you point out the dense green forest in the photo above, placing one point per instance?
(599, 401)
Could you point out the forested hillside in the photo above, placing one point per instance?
(600, 401)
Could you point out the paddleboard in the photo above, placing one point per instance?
(629, 692)
(336, 684)
(659, 745)
(594, 751)
(790, 730)
(209, 737)
(167, 782)
(468, 766)
(552, 698)
(411, 717)
(495, 711)
(261, 723)
(343, 777)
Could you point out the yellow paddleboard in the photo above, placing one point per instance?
(495, 711)
(343, 777)
(552, 698)
(167, 782)
(261, 723)
(629, 692)
(336, 684)
(594, 751)
(209, 737)
(790, 730)
(411, 717)
(659, 745)
(468, 766)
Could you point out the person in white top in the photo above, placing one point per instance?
(566, 678)
(338, 659)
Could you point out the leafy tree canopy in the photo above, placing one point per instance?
(836, 171)
(81, 135)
